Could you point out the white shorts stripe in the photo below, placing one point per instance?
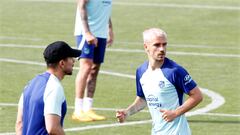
(81, 44)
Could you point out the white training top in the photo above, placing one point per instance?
(99, 12)
(164, 88)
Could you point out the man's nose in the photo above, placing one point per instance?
(161, 48)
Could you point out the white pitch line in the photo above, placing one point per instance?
(19, 38)
(182, 6)
(218, 55)
(8, 133)
(217, 101)
(180, 53)
(183, 45)
(97, 126)
(8, 104)
(22, 62)
(221, 114)
(135, 43)
(140, 51)
(117, 74)
(22, 46)
(43, 64)
(108, 125)
(148, 4)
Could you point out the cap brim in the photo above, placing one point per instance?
(76, 53)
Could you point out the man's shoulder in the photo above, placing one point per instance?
(171, 68)
(37, 84)
(40, 78)
(170, 64)
(141, 69)
(54, 82)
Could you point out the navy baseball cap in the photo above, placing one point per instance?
(59, 50)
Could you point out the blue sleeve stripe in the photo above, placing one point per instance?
(139, 74)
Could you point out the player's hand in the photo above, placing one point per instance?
(110, 38)
(121, 116)
(168, 115)
(91, 39)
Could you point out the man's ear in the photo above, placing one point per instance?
(145, 47)
(61, 63)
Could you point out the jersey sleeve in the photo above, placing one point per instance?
(53, 99)
(20, 102)
(184, 81)
(138, 85)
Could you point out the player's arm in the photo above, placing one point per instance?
(90, 38)
(53, 126)
(195, 97)
(53, 101)
(19, 125)
(19, 121)
(136, 106)
(110, 33)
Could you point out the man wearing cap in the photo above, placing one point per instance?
(42, 106)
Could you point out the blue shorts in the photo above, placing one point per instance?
(89, 51)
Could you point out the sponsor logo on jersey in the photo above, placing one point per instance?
(106, 2)
(153, 102)
(187, 79)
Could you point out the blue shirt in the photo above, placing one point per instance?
(43, 95)
(99, 12)
(164, 88)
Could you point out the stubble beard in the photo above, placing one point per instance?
(68, 72)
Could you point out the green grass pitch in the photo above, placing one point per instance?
(203, 36)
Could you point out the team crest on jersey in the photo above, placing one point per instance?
(161, 84)
(187, 79)
(86, 50)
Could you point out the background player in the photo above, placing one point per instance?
(93, 27)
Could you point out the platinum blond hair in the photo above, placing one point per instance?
(152, 33)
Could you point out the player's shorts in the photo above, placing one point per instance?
(89, 51)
